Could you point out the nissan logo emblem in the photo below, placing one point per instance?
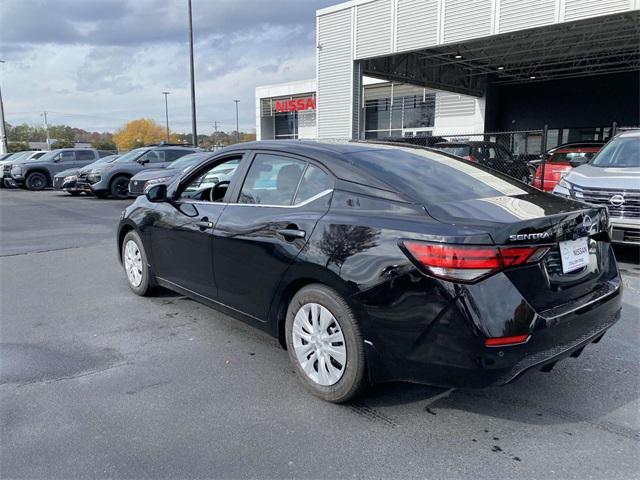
(587, 223)
(617, 200)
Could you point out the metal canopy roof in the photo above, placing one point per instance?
(588, 47)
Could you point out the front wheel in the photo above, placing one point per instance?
(36, 181)
(325, 345)
(136, 266)
(119, 187)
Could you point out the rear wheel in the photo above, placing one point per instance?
(36, 181)
(74, 193)
(119, 187)
(325, 344)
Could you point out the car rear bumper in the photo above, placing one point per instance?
(450, 351)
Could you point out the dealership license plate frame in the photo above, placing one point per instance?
(574, 254)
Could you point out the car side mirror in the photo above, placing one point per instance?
(576, 162)
(157, 193)
(142, 161)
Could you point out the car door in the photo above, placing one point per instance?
(85, 157)
(264, 228)
(182, 232)
(65, 160)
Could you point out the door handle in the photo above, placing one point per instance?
(291, 233)
(203, 224)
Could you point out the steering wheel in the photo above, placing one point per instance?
(213, 193)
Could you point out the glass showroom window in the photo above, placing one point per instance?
(286, 125)
(386, 118)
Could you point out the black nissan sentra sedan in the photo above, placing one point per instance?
(371, 262)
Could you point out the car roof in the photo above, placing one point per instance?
(173, 147)
(470, 143)
(585, 143)
(336, 156)
(629, 133)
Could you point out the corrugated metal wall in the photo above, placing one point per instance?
(577, 9)
(364, 29)
(454, 105)
(373, 29)
(521, 14)
(465, 19)
(417, 24)
(335, 61)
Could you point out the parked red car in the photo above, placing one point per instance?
(559, 160)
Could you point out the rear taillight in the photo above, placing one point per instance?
(469, 263)
(506, 341)
(471, 158)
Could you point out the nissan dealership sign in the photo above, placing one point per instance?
(308, 103)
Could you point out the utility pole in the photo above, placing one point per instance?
(237, 125)
(46, 128)
(4, 147)
(194, 133)
(166, 112)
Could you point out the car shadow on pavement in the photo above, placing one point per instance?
(565, 396)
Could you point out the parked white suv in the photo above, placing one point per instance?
(611, 179)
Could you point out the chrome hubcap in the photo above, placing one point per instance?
(133, 263)
(319, 344)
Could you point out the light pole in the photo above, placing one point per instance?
(166, 112)
(46, 129)
(194, 133)
(4, 147)
(237, 125)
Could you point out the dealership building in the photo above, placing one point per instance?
(453, 67)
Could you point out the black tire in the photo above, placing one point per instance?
(353, 379)
(119, 187)
(36, 181)
(145, 287)
(74, 194)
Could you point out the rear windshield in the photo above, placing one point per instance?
(431, 178)
(619, 152)
(566, 157)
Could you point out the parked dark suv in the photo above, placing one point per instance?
(38, 173)
(113, 178)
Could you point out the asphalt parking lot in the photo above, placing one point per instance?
(97, 382)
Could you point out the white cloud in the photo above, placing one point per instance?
(95, 65)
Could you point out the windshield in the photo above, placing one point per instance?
(620, 152)
(432, 178)
(132, 155)
(18, 156)
(37, 156)
(187, 161)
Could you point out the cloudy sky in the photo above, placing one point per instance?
(96, 64)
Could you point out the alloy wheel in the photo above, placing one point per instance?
(122, 187)
(133, 263)
(319, 344)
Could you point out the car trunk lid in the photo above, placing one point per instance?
(544, 220)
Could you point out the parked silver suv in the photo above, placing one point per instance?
(611, 179)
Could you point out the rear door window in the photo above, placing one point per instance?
(85, 155)
(174, 154)
(314, 182)
(271, 180)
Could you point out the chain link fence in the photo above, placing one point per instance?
(538, 157)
